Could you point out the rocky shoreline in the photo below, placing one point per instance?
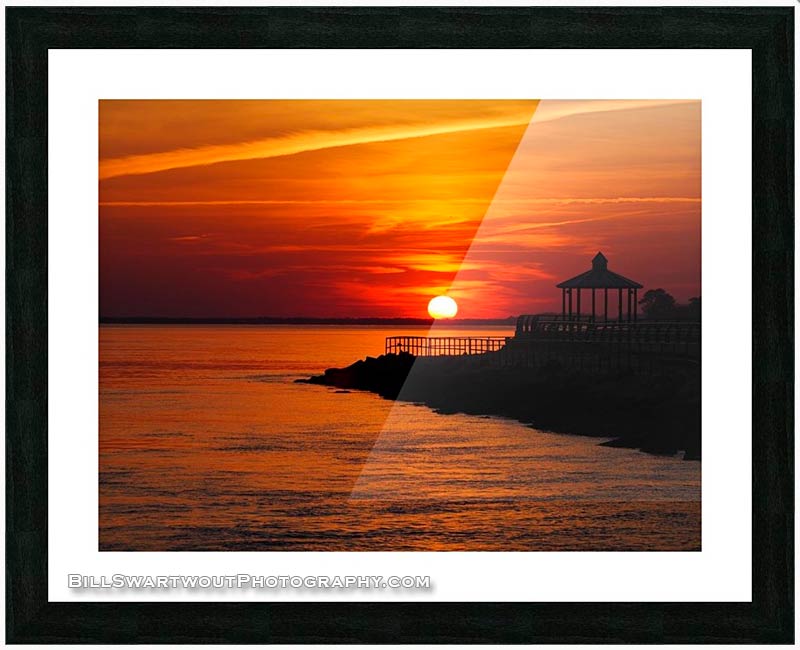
(657, 414)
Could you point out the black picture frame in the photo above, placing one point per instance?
(31, 32)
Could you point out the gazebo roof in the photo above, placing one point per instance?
(599, 277)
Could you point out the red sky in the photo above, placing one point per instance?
(370, 208)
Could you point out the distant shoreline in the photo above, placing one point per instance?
(269, 320)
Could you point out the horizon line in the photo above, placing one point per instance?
(297, 318)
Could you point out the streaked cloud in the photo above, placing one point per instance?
(292, 144)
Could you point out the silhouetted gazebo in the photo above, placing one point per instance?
(599, 277)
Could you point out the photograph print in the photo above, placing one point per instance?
(400, 325)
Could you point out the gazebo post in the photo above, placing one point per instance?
(579, 303)
(563, 304)
(627, 310)
(593, 304)
(629, 305)
(605, 301)
(620, 305)
(570, 303)
(635, 305)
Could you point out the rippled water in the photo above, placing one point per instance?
(206, 443)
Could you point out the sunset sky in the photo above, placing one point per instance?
(363, 208)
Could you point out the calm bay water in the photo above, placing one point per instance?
(206, 443)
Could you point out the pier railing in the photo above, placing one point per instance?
(444, 346)
(554, 328)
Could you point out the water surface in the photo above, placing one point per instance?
(207, 443)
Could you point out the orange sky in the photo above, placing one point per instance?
(370, 208)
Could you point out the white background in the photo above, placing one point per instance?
(721, 79)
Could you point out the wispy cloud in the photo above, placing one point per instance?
(292, 144)
(555, 109)
(315, 140)
(189, 238)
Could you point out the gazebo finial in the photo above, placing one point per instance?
(600, 262)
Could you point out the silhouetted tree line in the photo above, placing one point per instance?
(657, 304)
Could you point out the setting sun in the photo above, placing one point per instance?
(442, 307)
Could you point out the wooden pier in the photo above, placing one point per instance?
(643, 347)
(444, 346)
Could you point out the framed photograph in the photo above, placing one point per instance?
(399, 325)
